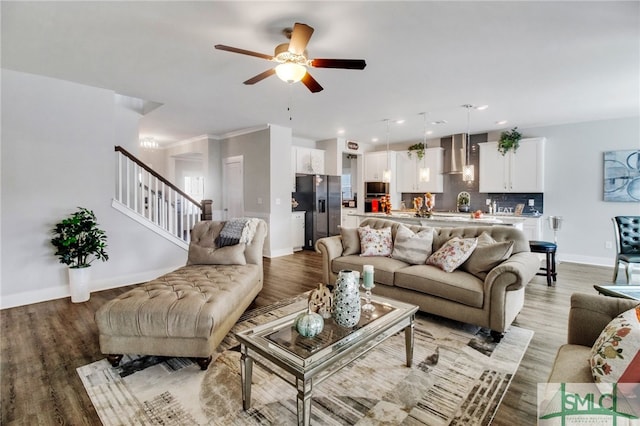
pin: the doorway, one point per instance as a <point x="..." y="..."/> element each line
<point x="233" y="187"/>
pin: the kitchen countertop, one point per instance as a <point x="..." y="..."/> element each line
<point x="449" y="219"/>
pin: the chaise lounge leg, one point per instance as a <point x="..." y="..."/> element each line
<point x="114" y="359"/>
<point x="204" y="362"/>
<point x="497" y="336"/>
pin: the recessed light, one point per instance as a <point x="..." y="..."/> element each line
<point x="399" y="121"/>
<point x="429" y="132"/>
<point x="501" y="122"/>
<point x="341" y="131"/>
<point x="374" y="139"/>
<point x="482" y="107"/>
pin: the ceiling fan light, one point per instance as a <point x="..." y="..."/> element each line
<point x="290" y="72"/>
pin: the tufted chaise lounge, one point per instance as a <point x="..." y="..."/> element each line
<point x="187" y="312"/>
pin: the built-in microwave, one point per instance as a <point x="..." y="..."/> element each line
<point x="373" y="192"/>
<point x="376" y="189"/>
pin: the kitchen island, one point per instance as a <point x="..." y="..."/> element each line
<point x="448" y="219"/>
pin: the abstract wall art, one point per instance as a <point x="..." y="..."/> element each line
<point x="622" y="176"/>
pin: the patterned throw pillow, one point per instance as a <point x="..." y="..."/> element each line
<point x="375" y="242"/>
<point x="614" y="356"/>
<point x="453" y="253"/>
<point x="411" y="247"/>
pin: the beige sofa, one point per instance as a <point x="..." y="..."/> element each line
<point x="492" y="302"/>
<point x="187" y="312"/>
<point x="588" y="316"/>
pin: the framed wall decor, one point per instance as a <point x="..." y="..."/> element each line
<point x="622" y="176"/>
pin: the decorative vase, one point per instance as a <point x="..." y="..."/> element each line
<point x="322" y="299"/>
<point x="79" y="284"/>
<point x="309" y="324"/>
<point x="346" y="300"/>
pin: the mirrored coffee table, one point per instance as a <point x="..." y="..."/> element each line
<point x="625" y="291"/>
<point x="306" y="362"/>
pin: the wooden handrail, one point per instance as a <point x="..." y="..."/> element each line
<point x="139" y="162"/>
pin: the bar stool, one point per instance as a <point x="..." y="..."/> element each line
<point x="549" y="249"/>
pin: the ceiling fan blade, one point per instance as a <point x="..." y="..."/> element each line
<point x="351" y="64"/>
<point x="243" y="51"/>
<point x="261" y="76"/>
<point x="311" y="83"/>
<point x="300" y="38"/>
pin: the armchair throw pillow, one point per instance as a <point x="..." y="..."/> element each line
<point x="614" y="355"/>
<point x="375" y="242"/>
<point x="453" y="253"/>
<point x="411" y="247"/>
<point x="228" y="255"/>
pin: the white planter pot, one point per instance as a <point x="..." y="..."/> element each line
<point x="79" y="284"/>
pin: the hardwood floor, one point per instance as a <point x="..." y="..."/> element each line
<point x="44" y="343"/>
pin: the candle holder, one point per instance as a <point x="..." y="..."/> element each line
<point x="367" y="284"/>
<point x="368" y="307"/>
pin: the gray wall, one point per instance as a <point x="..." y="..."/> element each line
<point x="57" y="154"/>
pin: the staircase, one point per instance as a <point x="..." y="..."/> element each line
<point x="153" y="201"/>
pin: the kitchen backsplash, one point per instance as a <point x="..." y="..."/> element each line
<point x="505" y="202"/>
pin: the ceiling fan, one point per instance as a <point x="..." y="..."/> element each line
<point x="292" y="59"/>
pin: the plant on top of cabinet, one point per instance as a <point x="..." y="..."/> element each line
<point x="418" y="148"/>
<point x="509" y="140"/>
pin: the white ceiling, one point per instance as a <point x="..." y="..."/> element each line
<point x="533" y="63"/>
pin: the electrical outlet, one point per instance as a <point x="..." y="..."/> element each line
<point x="259" y="200"/>
<point x="487" y="201"/>
<point x="532" y="202"/>
<point x="608" y="244"/>
<point x="278" y="201"/>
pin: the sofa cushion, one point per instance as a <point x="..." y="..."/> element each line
<point x="614" y="354"/>
<point x="350" y="241"/>
<point x="412" y="247"/>
<point x="384" y="267"/>
<point x="571" y="365"/>
<point x="457" y="286"/>
<point x="453" y="253"/>
<point x="487" y="255"/>
<point x="375" y="242"/>
<point x="186" y="303"/>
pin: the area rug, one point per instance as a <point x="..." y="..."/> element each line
<point x="459" y="377"/>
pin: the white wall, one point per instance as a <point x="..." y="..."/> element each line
<point x="57" y="154"/>
<point x="574" y="180"/>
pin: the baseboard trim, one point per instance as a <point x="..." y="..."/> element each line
<point x="60" y="292"/>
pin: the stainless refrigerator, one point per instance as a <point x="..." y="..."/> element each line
<point x="320" y="196"/>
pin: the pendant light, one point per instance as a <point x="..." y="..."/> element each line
<point x="468" y="172"/>
<point x="424" y="174"/>
<point x="386" y="175"/>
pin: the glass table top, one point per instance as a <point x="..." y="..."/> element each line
<point x="279" y="338"/>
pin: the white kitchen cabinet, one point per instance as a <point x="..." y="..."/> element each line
<point x="309" y="160"/>
<point x="348" y="220"/>
<point x="408" y="170"/>
<point x="297" y="230"/>
<point x="375" y="164"/>
<point x="522" y="171"/>
<point x="533" y="228"/>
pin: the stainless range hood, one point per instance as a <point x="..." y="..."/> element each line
<point x="454" y="153"/>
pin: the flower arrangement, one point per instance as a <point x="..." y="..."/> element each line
<point x="509" y="140"/>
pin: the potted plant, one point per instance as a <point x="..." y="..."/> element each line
<point x="509" y="140"/>
<point x="79" y="242"/>
<point x="418" y="148"/>
<point x="464" y="201"/>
